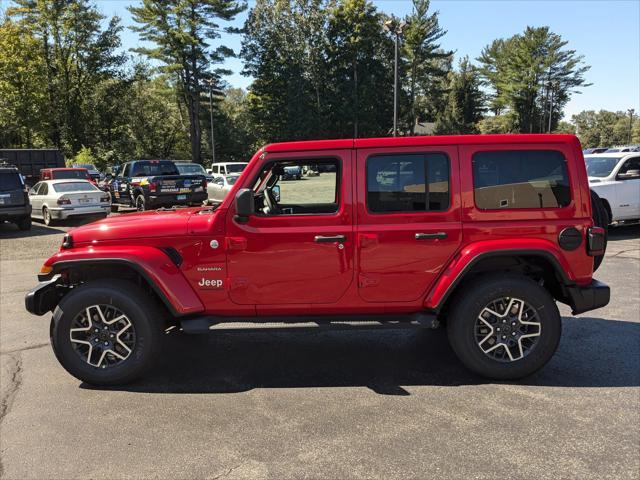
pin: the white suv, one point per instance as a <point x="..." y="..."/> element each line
<point x="615" y="177"/>
<point x="228" y="168"/>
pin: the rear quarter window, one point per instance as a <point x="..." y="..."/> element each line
<point x="517" y="179"/>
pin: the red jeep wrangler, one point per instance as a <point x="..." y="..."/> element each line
<point x="484" y="233"/>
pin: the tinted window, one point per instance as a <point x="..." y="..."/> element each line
<point x="630" y="164"/>
<point x="600" y="166"/>
<point x="74" y="187"/>
<point x="70" y="174"/>
<point x="236" y="168"/>
<point x="10" y="181"/>
<point x="152" y="168"/>
<point x="520" y="179"/>
<point x="408" y="183"/>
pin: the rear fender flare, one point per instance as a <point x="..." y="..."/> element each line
<point x="469" y="256"/>
<point x="154" y="265"/>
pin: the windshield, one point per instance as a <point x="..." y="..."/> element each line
<point x="236" y="168"/>
<point x="231" y="179"/>
<point x="69" y="187"/>
<point x="154" y="167"/>
<point x="10" y="181"/>
<point x="600" y="166"/>
<point x="69" y="174"/>
<point x="190" y="168"/>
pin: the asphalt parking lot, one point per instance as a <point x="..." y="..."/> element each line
<point x="323" y="405"/>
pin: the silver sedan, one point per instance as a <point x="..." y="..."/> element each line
<point x="60" y="199"/>
<point x="218" y="188"/>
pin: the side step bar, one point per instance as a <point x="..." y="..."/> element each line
<point x="207" y="324"/>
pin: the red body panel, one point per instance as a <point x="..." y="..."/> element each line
<point x="272" y="266"/>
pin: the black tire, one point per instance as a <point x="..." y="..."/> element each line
<point x="24" y="223"/>
<point x="46" y="216"/>
<point x="600" y="219"/>
<point x="141" y="204"/>
<point x="470" y="302"/>
<point x="142" y="311"/>
<point x="114" y="207"/>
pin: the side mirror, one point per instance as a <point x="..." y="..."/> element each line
<point x="244" y="205"/>
<point x="630" y="175"/>
<point x="275" y="192"/>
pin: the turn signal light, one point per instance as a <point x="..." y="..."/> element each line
<point x="45" y="269"/>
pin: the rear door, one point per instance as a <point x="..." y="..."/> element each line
<point x="408" y="220"/>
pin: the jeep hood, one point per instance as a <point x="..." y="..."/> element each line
<point x="152" y="224"/>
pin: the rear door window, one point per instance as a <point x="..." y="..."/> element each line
<point x="408" y="183"/>
<point x="520" y="179"/>
<point x="10" y="181"/>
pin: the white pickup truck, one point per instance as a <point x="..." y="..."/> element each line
<point x="615" y="177"/>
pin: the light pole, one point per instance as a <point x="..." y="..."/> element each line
<point x="210" y="82"/>
<point x="397" y="28"/>
<point x="630" y="112"/>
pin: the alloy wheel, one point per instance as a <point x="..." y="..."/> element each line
<point x="507" y="329"/>
<point x="103" y="336"/>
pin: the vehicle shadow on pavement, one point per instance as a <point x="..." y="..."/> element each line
<point x="9" y="230"/>
<point x="593" y="353"/>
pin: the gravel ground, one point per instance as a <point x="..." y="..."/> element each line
<point x="323" y="405"/>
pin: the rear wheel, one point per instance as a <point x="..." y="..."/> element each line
<point x="141" y="204"/>
<point x="106" y="332"/>
<point x="600" y="219"/>
<point x="504" y="326"/>
<point x="24" y="223"/>
<point x="46" y="216"/>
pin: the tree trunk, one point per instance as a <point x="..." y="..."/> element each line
<point x="194" y="126"/>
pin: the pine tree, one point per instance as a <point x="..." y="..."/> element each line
<point x="465" y="101"/>
<point x="181" y="32"/>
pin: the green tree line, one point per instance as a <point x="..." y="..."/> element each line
<point x="319" y="69"/>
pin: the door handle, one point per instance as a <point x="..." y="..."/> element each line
<point x="331" y="239"/>
<point x="431" y="236"/>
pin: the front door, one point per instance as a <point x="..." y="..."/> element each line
<point x="628" y="190"/>
<point x="298" y="247"/>
<point x="408" y="220"/>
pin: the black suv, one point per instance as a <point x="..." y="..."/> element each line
<point x="14" y="199"/>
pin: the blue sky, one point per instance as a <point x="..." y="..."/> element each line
<point x="607" y="33"/>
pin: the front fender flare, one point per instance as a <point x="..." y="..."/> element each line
<point x="473" y="253"/>
<point x="153" y="264"/>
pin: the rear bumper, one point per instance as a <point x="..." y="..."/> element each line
<point x="8" y="213"/>
<point x="66" y="212"/>
<point x="168" y="200"/>
<point x="45" y="296"/>
<point x="583" y="299"/>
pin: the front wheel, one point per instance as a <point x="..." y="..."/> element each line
<point x="504" y="326"/>
<point x="106" y="332"/>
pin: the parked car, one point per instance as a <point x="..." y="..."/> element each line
<point x="292" y="172"/>
<point x="227" y="168"/>
<point x="220" y="187"/>
<point x="623" y="149"/>
<point x="14" y="201"/>
<point x="190" y="168"/>
<point x="590" y="151"/>
<point x="67" y="173"/>
<point x="93" y="171"/>
<point x="149" y="184"/>
<point x="54" y="200"/>
<point x="615" y="177"/>
<point x="487" y="231"/>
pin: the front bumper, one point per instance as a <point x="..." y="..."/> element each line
<point x="66" y="212"/>
<point x="45" y="296"/>
<point x="168" y="200"/>
<point x="583" y="299"/>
